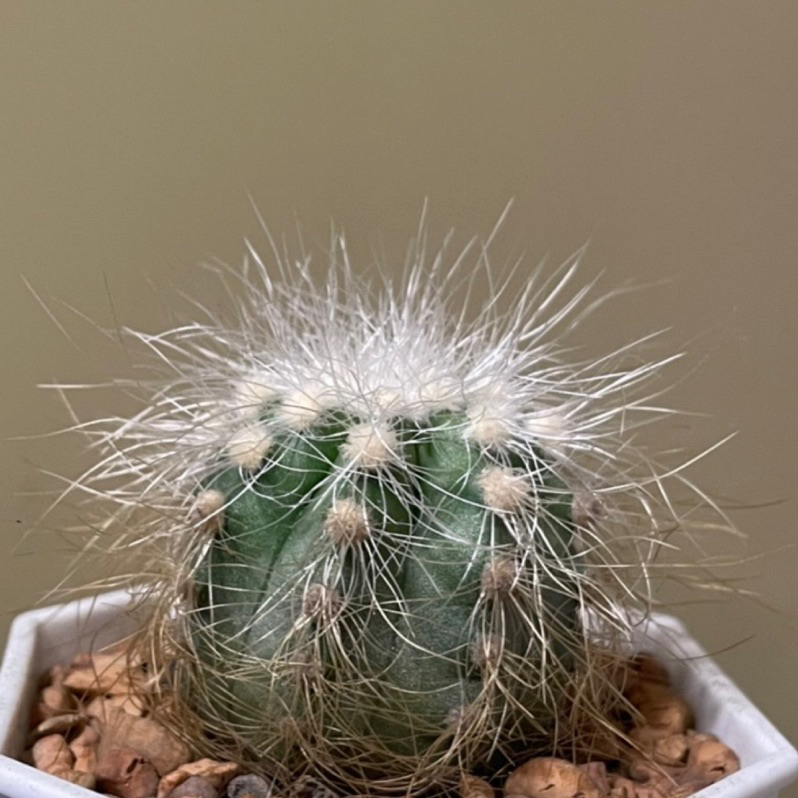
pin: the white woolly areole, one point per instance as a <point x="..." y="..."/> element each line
<point x="320" y="601"/>
<point x="251" y="393"/>
<point x="347" y="523"/>
<point x="500" y="576"/>
<point x="248" y="447"/>
<point x="389" y="401"/>
<point x="302" y="407"/>
<point x="505" y="490"/>
<point x="208" y="506"/>
<point x="370" y="445"/>
<point x="489" y="426"/>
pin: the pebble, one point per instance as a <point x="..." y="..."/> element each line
<point x="90" y="728"/>
<point x="101" y="706"/>
<point x="54" y="701"/>
<point x="101" y="673"/>
<point x="125" y="773"/>
<point x="52" y="754"/>
<point x="217" y="774"/>
<point x="195" y="787"/>
<point x="59" y="724"/>
<point x="249" y="786"/>
<point x="549" y="777"/>
<point x="475" y="787"/>
<point x="151" y="740"/>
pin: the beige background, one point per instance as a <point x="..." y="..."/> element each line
<point x="132" y="134"/>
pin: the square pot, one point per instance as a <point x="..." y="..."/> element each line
<point x="43" y="637"/>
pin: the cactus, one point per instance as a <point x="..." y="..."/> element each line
<point x="412" y="553"/>
<point x="389" y="545"/>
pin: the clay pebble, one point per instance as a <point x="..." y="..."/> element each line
<point x="91" y="726"/>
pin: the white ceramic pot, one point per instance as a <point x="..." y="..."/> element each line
<point x="44" y="637"/>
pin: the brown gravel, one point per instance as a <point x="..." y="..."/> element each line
<point x="89" y="728"/>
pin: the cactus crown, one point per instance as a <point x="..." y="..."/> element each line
<point x="389" y="543"/>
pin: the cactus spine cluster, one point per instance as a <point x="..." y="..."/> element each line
<point x="389" y="544"/>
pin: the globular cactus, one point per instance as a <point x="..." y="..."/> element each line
<point x="389" y="545"/>
<point x="397" y="580"/>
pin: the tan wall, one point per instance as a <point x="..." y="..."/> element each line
<point x="665" y="133"/>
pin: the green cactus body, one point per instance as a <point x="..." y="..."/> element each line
<point x="386" y="602"/>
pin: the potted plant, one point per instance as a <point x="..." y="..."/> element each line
<point x="47" y="636"/>
<point x="388" y="549"/>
